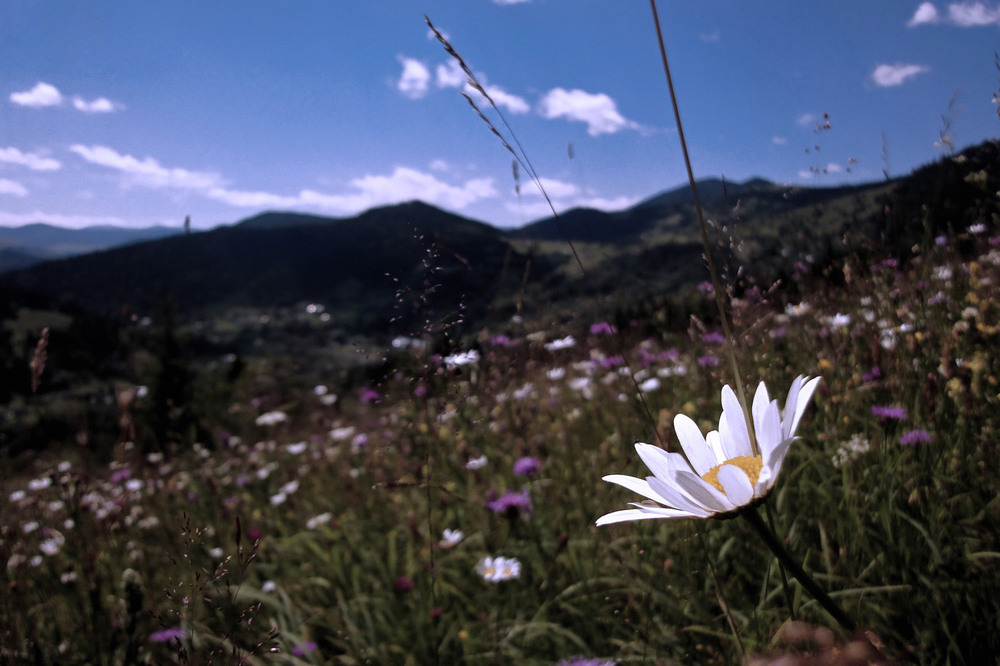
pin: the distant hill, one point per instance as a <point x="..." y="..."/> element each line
<point x="674" y="210"/>
<point x="397" y="266"/>
<point x="394" y="263"/>
<point x="29" y="244"/>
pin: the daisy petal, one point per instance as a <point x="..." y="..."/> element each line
<point x="769" y="433"/>
<point x="651" y="513"/>
<point x="693" y="443"/>
<point x="659" y="462"/>
<point x="639" y="486"/>
<point x="702" y="492"/>
<point x="733" y="426"/>
<point x="677" y="498"/>
<point x="737" y="485"/>
<point x="797" y="401"/>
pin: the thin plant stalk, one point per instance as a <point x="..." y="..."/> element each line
<point x="716" y="285"/>
<point x="767" y="534"/>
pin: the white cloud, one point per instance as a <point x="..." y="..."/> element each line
<point x="832" y="167"/>
<point x="597" y="110"/>
<point x="971" y="14"/>
<point x="42" y="95"/>
<point x="403" y="184"/>
<point x="244" y="199"/>
<point x="450" y="75"/>
<point x="962" y="14"/>
<point x="926" y="13"/>
<point x="415" y="78"/>
<point x="540" y="209"/>
<point x="779" y="140"/>
<point x="556" y="189"/>
<point x="99" y="105"/>
<point x="710" y="37"/>
<point x="805" y="120"/>
<point x="439" y="165"/>
<point x="509" y="2"/>
<point x="147" y="172"/>
<point x="33" y="161"/>
<point x="500" y="97"/>
<point x="13" y="188"/>
<point x="894" y="75"/>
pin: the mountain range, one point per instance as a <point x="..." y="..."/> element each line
<point x="30" y="244"/>
<point x="399" y="267"/>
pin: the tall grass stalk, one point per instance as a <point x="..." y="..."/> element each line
<point x="750" y="514"/>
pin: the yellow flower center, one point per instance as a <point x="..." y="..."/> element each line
<point x="751" y="466"/>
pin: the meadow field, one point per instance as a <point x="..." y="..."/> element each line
<point x="446" y="514"/>
<point x="442" y="506"/>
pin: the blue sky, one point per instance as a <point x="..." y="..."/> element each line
<point x="140" y="113"/>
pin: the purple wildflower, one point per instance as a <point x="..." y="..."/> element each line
<point x="612" y="361"/>
<point x="510" y="503"/>
<point x="872" y="375"/>
<point x="713" y="338"/>
<point x="167" y="635"/>
<point x="121" y="475"/>
<point x="601" y="328"/>
<point x="527" y="466"/>
<point x="913" y="437"/>
<point x="580" y="660"/>
<point x="708" y="361"/>
<point x="305" y="648"/>
<point x="368" y="396"/>
<point x="889" y="412"/>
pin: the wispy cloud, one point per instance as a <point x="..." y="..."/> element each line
<point x="42" y="95"/>
<point x="598" y="110"/>
<point x="450" y="75"/>
<point x="99" y="105"/>
<point x="779" y="140"/>
<point x="500" y="97"/>
<point x="887" y="76"/>
<point x="710" y="37"/>
<point x="147" y="172"/>
<point x="12" y="188"/>
<point x="556" y="189"/>
<point x="33" y="161"/>
<point x="509" y="2"/>
<point x="402" y="184"/>
<point x="46" y="94"/>
<point x="538" y="209"/>
<point x="415" y="79"/>
<point x="961" y="14"/>
<point x="970" y="14"/>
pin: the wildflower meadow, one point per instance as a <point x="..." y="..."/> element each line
<point x="587" y="490"/>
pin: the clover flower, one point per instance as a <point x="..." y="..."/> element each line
<point x="725" y="473"/>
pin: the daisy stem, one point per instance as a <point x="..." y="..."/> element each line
<point x="781" y="566"/>
<point x="785" y="558"/>
<point x="716" y="285"/>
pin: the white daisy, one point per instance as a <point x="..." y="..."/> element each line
<point x="724" y="474"/>
<point x="499" y="569"/>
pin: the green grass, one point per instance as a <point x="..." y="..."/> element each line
<point x="905" y="538"/>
